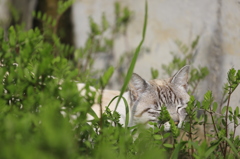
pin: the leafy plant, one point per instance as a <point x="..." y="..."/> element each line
<point x="44" y="115"/>
<point x="204" y="122"/>
<point x="101" y="40"/>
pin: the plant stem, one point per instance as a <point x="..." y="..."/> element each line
<point x="204" y="126"/>
<point x="226" y="120"/>
<point x="234" y="131"/>
<point x="101" y="121"/>
<point x="190" y="138"/>
<point x="215" y="129"/>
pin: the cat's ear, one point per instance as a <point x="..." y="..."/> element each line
<point x="136" y="86"/>
<point x="181" y="77"/>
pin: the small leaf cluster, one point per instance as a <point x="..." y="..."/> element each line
<point x="48" y="20"/>
<point x="218" y="138"/>
<point x="36" y="87"/>
<point x="164" y="115"/>
<point x="100" y="43"/>
<point x="185" y="56"/>
<point x="205" y="123"/>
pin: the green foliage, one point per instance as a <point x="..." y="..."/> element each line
<point x="122" y="18"/>
<point x="106" y="76"/>
<point x="218" y="139"/>
<point x="185" y="56"/>
<point x="164" y="115"/>
<point x="43" y="114"/>
<point x="101" y="41"/>
<point x="154" y="73"/>
<point x="134" y="59"/>
<point x="64" y="5"/>
<point x="31" y="96"/>
<point x="48" y="20"/>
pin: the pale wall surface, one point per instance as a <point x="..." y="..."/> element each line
<point x="216" y="21"/>
<point x="4" y="14"/>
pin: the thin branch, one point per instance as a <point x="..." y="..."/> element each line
<point x="101" y="110"/>
<point x="204" y="126"/>
<point x="226" y="120"/>
<point x="215" y="129"/>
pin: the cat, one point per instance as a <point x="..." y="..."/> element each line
<point x="145" y="99"/>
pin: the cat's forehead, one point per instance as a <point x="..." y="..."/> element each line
<point x="159" y="82"/>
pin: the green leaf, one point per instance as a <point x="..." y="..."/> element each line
<point x="12" y="36"/>
<point x="126" y="108"/>
<point x="105" y="24"/>
<point x="164" y="115"/>
<point x="232" y="147"/>
<point x="236" y="112"/>
<point x="56" y="60"/>
<point x="168" y="145"/>
<point x="106" y="76"/>
<point x="215" y="105"/>
<point x="157" y="137"/>
<point x="94" y="27"/>
<point x="1" y="33"/>
<point x="175" y="153"/>
<point x="49" y="19"/>
<point x="195" y="42"/>
<point x="154" y="73"/>
<point x="39" y="15"/>
<point x="54" y="22"/>
<point x="174" y="129"/>
<point x="211" y="149"/>
<point x="44" y="17"/>
<point x="166" y="135"/>
<point x="235" y="120"/>
<point x="127" y="112"/>
<point x="208" y="99"/>
<point x="230" y="117"/>
<point x="231" y="76"/>
<point x="224" y="109"/>
<point x="135" y="56"/>
<point x="92" y="113"/>
<point x="223" y="121"/>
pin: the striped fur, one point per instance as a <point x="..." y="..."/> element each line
<point x="147" y="97"/>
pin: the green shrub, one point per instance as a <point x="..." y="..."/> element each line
<point x="38" y="88"/>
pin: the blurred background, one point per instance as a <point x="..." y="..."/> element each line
<point x="116" y="28"/>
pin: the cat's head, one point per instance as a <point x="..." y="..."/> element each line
<point x="147" y="97"/>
